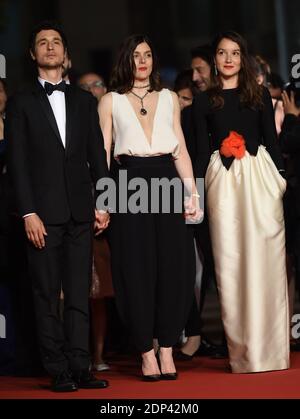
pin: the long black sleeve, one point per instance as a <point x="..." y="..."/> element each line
<point x="3" y="156"/>
<point x="201" y="134"/>
<point x="15" y="133"/>
<point x="270" y="139"/>
<point x="290" y="134"/>
<point x="96" y="152"/>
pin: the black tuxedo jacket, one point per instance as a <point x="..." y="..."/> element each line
<point x="50" y="180"/>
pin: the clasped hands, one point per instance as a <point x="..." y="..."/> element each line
<point x="192" y="210"/>
<point x="36" y="231"/>
<point x="101" y="221"/>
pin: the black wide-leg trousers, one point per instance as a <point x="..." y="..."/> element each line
<point x="64" y="263"/>
<point x="153" y="262"/>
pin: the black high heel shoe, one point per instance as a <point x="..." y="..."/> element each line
<point x="168" y="376"/>
<point x="151" y="378"/>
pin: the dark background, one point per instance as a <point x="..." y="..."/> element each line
<point x="95" y="29"/>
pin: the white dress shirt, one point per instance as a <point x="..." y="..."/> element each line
<point x="58" y="104"/>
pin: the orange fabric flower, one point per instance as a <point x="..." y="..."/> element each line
<point x="233" y="146"/>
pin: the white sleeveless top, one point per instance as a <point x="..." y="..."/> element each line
<point x="129" y="136"/>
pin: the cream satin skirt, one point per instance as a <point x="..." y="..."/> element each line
<point x="247" y="231"/>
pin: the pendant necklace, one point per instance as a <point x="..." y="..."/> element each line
<point x="143" y="111"/>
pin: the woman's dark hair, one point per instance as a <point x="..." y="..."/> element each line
<point x="258" y="68"/>
<point x="3" y="85"/>
<point x="275" y="80"/>
<point x="184" y="80"/>
<point x="122" y="78"/>
<point x="3" y="82"/>
<point x="44" y="26"/>
<point x="204" y="52"/>
<point x="249" y="90"/>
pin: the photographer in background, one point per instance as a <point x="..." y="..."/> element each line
<point x="290" y="144"/>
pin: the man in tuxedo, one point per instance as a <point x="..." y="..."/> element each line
<point x="55" y="152"/>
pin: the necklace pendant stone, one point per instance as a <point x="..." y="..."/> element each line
<point x="143" y="111"/>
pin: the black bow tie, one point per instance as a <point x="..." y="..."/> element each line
<point x="51" y="87"/>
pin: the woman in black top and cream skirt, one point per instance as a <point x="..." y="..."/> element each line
<point x="241" y="161"/>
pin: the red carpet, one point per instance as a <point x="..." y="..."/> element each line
<point x="202" y="378"/>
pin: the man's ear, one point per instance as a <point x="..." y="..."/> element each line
<point x="32" y="55"/>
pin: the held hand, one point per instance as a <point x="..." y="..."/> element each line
<point x="193" y="212"/>
<point x="35" y="230"/>
<point x="101" y="222"/>
<point x="1" y="128"/>
<point x="289" y="104"/>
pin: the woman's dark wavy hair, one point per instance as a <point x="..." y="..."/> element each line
<point x="4" y="85"/>
<point x="249" y="90"/>
<point x="122" y="78"/>
<point x="184" y="80"/>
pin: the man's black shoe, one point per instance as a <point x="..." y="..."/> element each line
<point x="63" y="383"/>
<point x="89" y="381"/>
<point x="205" y="349"/>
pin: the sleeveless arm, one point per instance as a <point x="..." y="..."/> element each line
<point x="106" y="124"/>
